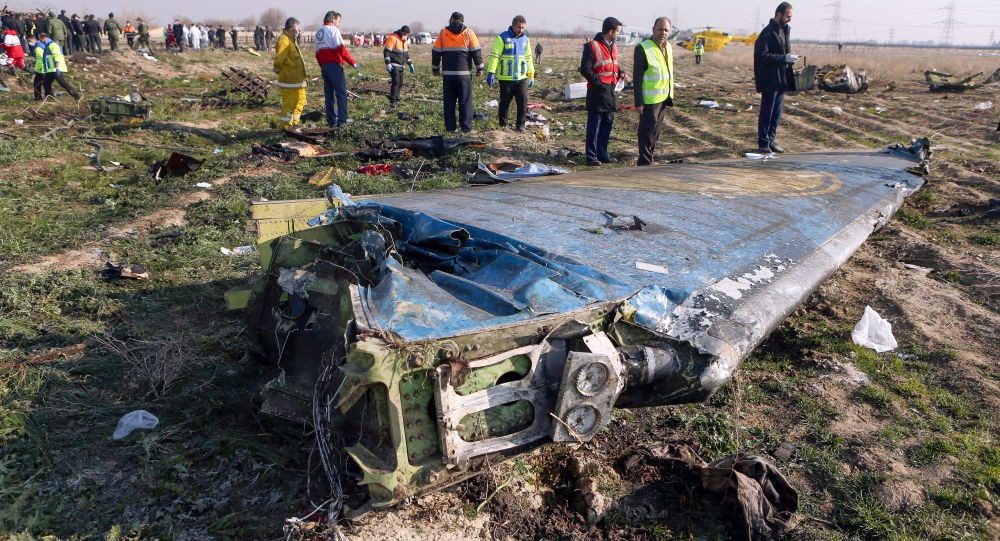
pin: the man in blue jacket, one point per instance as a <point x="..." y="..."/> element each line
<point x="773" y="75"/>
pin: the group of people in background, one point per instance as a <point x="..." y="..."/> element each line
<point x="198" y="36"/>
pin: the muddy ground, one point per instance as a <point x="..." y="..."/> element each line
<point x="901" y="444"/>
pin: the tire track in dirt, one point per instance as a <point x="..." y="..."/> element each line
<point x="92" y="254"/>
<point x="835" y="127"/>
<point x="705" y="133"/>
<point x="821" y="138"/>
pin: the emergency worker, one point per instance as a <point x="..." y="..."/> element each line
<point x="511" y="63"/>
<point x="54" y="65"/>
<point x="699" y="50"/>
<point x="456" y="52"/>
<point x="599" y="65"/>
<point x="331" y="55"/>
<point x="654" y="59"/>
<point x="397" y="54"/>
<point x="129" y="32"/>
<point x="291" y="70"/>
<point x="37" y="52"/>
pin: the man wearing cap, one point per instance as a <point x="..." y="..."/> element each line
<point x="456" y="52"/>
<point x="113" y="30"/>
<point x="397" y="54"/>
<point x="599" y="65"/>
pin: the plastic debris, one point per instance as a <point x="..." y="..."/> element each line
<point x="548" y="71"/>
<point x="492" y="103"/>
<point x="202" y="185"/>
<point x="837" y="110"/>
<point x="239" y="250"/>
<point x="758" y="156"/>
<point x="874" y="332"/>
<point x="217" y="151"/>
<point x="376" y="169"/>
<point x="138" y="419"/>
<point x="708" y="104"/>
<point x="984" y="106"/>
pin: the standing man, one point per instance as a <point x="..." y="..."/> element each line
<point x="79" y="36"/>
<point x="654" y="59"/>
<point x="37" y="52"/>
<point x="94" y="34"/>
<point x="57" y="30"/>
<point x="258" y="38"/>
<point x="511" y="63"/>
<point x="67" y="42"/>
<point x="538" y="53"/>
<point x="457" y="49"/>
<point x="233" y="33"/>
<point x="699" y="50"/>
<point x="268" y="37"/>
<point x="599" y="65"/>
<point x="332" y="54"/>
<point x="113" y="30"/>
<point x="129" y="32"/>
<point x="54" y="65"/>
<point x="220" y="35"/>
<point x="773" y="75"/>
<point x="291" y="70"/>
<point x="143" y="30"/>
<point x="178" y="29"/>
<point x="397" y="54"/>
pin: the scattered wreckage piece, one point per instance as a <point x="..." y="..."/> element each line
<point x="805" y="79"/>
<point x="493" y="173"/>
<point x="424" y="334"/>
<point x="119" y="108"/>
<point x="315" y="136"/>
<point x="373" y="88"/>
<point x="436" y="145"/>
<point x="946" y="82"/>
<point x="254" y="87"/>
<point x="114" y="271"/>
<point x="176" y="165"/>
<point x="842" y="79"/>
<point x="289" y="151"/>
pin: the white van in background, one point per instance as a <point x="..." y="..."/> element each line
<point x="423" y="38"/>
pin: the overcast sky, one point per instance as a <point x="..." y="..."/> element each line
<point x="910" y="20"/>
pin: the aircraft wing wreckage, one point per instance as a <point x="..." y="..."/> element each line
<point x="421" y="333"/>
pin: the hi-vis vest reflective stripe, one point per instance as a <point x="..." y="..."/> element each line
<point x="53" y="59"/>
<point x="658" y="79"/>
<point x="511" y="57"/>
<point x="605" y="65"/>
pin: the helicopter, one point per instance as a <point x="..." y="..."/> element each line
<point x="714" y="40"/>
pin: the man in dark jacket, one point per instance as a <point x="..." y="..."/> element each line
<point x="455" y="55"/>
<point x="67" y="43"/>
<point x="79" y="36"/>
<point x="220" y="36"/>
<point x="94" y="31"/>
<point x="773" y="75"/>
<point x="599" y="65"/>
<point x="178" y="29"/>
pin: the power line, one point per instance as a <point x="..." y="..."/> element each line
<point x="949" y="24"/>
<point x="834" y="34"/>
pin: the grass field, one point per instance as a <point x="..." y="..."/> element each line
<point x="908" y="449"/>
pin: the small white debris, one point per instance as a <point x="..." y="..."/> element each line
<point x="651" y="267"/>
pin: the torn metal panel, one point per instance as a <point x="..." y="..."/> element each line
<point x="946" y="82"/>
<point x="462" y="325"/>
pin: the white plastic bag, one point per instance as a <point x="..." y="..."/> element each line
<point x="874" y="332"/>
<point x="133" y="420"/>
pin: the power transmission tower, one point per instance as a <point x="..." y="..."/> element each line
<point x="834" y="35"/>
<point x="949" y="24"/>
<point x="892" y="32"/>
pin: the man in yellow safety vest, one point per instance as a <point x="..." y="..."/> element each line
<point x="654" y="59"/>
<point x="511" y="63"/>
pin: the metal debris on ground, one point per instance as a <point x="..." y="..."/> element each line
<point x="117" y="108"/>
<point x="805" y="79"/>
<point x="176" y="165"/>
<point x="492" y="173"/>
<point x="939" y="81"/>
<point x="432" y="333"/>
<point x="436" y="145"/>
<point x="253" y="86"/>
<point x="842" y="79"/>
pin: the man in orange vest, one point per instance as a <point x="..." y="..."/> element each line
<point x="599" y="65"/>
<point x="456" y="52"/>
<point x="397" y="55"/>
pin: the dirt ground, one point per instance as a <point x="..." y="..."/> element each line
<point x="859" y="422"/>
